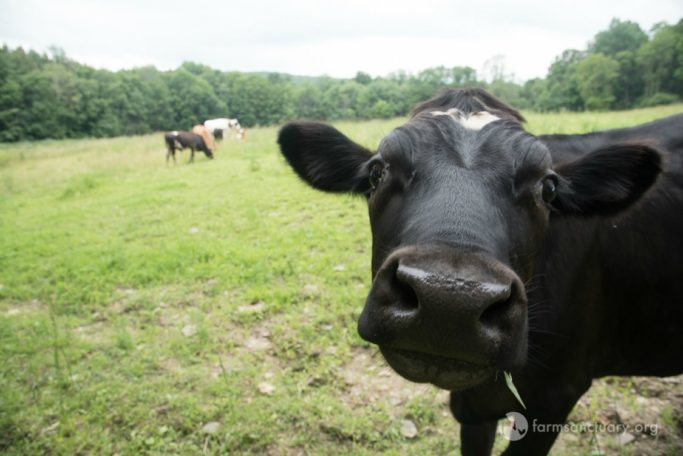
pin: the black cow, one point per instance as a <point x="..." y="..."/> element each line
<point x="555" y="259"/>
<point x="184" y="139"/>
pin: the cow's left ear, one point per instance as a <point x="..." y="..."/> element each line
<point x="325" y="158"/>
<point x="606" y="180"/>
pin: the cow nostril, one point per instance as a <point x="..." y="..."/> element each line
<point x="495" y="313"/>
<point x="406" y="297"/>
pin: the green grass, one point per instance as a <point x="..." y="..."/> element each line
<point x="139" y="302"/>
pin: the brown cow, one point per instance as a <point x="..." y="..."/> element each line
<point x="202" y="131"/>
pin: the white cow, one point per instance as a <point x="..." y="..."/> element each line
<point x="221" y="127"/>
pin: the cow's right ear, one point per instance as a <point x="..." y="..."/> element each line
<point x="324" y="157"/>
<point x="608" y="180"/>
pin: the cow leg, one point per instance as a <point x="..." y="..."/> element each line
<point x="170" y="152"/>
<point x="477" y="439"/>
<point x="476" y="435"/>
<point x="191" y="155"/>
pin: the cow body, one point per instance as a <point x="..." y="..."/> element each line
<point x="607" y="292"/>
<point x="184" y="139"/>
<point x="204" y="133"/>
<point x="553" y="258"/>
<point x="221" y="127"/>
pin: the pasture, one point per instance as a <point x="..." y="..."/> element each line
<point x="211" y="308"/>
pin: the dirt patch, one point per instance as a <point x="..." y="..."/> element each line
<point x="25" y="307"/>
<point x="96" y="333"/>
<point x="171" y="365"/>
<point x="369" y="379"/>
<point x="642" y="415"/>
<point x="257" y="345"/>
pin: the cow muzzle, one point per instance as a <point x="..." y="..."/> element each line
<point x="446" y="317"/>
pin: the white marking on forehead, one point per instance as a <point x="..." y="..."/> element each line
<point x="473" y="121"/>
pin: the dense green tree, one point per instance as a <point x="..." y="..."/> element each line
<point x="562" y="91"/>
<point x="661" y="61"/>
<point x="630" y="84"/>
<point x="508" y="91"/>
<point x="309" y="103"/>
<point x="390" y="92"/>
<point x="42" y="115"/>
<point x="11" y="126"/>
<point x="620" y="36"/>
<point x="363" y="78"/>
<point x="192" y="98"/>
<point x="429" y="81"/>
<point x="341" y="100"/>
<point x="381" y="109"/>
<point x="531" y="93"/>
<point x="51" y="96"/>
<point x="255" y="101"/>
<point x="597" y="76"/>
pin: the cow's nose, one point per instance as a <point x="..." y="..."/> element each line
<point x="462" y="307"/>
<point x="477" y="301"/>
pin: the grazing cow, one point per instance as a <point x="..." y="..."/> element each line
<point x="204" y="133"/>
<point x="182" y="140"/>
<point x="498" y="255"/>
<point x="223" y="126"/>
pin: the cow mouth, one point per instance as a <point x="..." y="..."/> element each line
<point x="447" y="373"/>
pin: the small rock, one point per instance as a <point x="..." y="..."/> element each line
<point x="315" y="382"/>
<point x="266" y="388"/>
<point x="408" y="429"/>
<point x="253" y="308"/>
<point x="573" y="438"/>
<point x="340" y="268"/>
<point x="189" y="330"/>
<point x="625" y="438"/>
<point x="308" y="289"/>
<point x="641" y="401"/>
<point x="395" y="401"/>
<point x="211" y="427"/>
<point x="258" y="344"/>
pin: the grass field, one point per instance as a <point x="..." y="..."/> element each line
<point x="211" y="308"/>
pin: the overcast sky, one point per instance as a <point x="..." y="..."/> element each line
<point x="331" y="37"/>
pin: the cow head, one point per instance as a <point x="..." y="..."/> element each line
<point x="460" y="199"/>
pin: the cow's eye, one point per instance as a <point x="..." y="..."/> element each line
<point x="376" y="175"/>
<point x="549" y="189"/>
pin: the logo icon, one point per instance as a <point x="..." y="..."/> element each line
<point x="515" y="427"/>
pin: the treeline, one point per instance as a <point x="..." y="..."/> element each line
<point x="52" y="96"/>
<point x="623" y="67"/>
